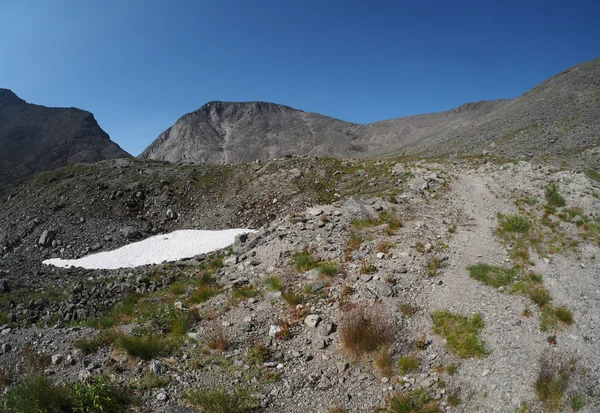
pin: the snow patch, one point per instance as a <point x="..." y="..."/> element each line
<point x="156" y="250"/>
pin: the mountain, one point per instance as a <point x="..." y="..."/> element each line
<point x="34" y="138"/>
<point x="559" y="117"/>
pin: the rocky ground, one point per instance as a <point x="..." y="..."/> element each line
<point x="271" y="320"/>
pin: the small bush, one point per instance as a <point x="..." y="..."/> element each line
<point x="100" y="395"/>
<point x="492" y="275"/>
<point x="461" y="333"/>
<point x="221" y="401"/>
<point x="515" y="223"/>
<point x="365" y="329"/>
<point x="553" y="196"/>
<point x="417" y="401"/>
<point x="406" y="364"/>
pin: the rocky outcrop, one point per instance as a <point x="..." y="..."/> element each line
<point x="36" y="138"/>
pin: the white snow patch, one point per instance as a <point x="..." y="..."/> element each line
<point x="155" y="250"/>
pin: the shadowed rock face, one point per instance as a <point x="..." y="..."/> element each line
<point x="35" y="138"/>
<point x="559" y="117"/>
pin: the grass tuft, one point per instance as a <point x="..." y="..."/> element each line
<point x="553" y="196"/>
<point x="461" y="333"/>
<point x="417" y="401"/>
<point x="492" y="275"/>
<point x="365" y="329"/>
<point x="553" y="379"/>
<point x="407" y="364"/>
<point x="221" y="401"/>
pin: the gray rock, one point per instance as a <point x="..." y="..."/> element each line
<point x="419" y="184"/>
<point x="312" y="320"/>
<point x="156" y="367"/>
<point x="171" y="215"/>
<point x="57" y="358"/>
<point x="46" y="238"/>
<point x="130" y="232"/>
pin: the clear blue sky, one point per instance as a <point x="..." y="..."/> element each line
<point x="138" y="65"/>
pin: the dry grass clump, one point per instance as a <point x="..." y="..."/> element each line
<point x="366" y="329"/>
<point x="553" y="379"/>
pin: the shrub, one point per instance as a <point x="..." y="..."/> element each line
<point x="100" y="395"/>
<point x="408" y="364"/>
<point x="553" y="196"/>
<point x="365" y="329"/>
<point x="221" y="401"/>
<point x="461" y="333"/>
<point x="492" y="275"/>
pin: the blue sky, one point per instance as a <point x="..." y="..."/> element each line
<point x="140" y="65"/>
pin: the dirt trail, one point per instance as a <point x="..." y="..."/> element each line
<point x="512" y="339"/>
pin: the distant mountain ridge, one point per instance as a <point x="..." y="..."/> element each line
<point x="559" y="117"/>
<point x="35" y="138"/>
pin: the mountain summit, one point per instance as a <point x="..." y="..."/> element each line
<point x="35" y="138"/>
<point x="559" y="117"/>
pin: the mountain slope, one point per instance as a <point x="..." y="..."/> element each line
<point x="35" y="138"/>
<point x="559" y="117"/>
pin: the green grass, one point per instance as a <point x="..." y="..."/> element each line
<point x="461" y="333"/>
<point x="407" y="364"/>
<point x="274" y="283"/>
<point x="203" y="293"/>
<point x="329" y="268"/>
<point x="417" y="401"/>
<point x="492" y="275"/>
<point x="564" y="314"/>
<point x="120" y="313"/>
<point x="37" y="395"/>
<point x="531" y="286"/>
<point x="514" y="223"/>
<point x="291" y="297"/>
<point x="146" y="347"/>
<point x="220" y="400"/>
<point x="553" y="196"/>
<point x="303" y="261"/>
<point x="258" y="353"/>
<point x="548" y="319"/>
<point x="433" y="266"/>
<point x="177" y="288"/>
<point x="553" y="380"/>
